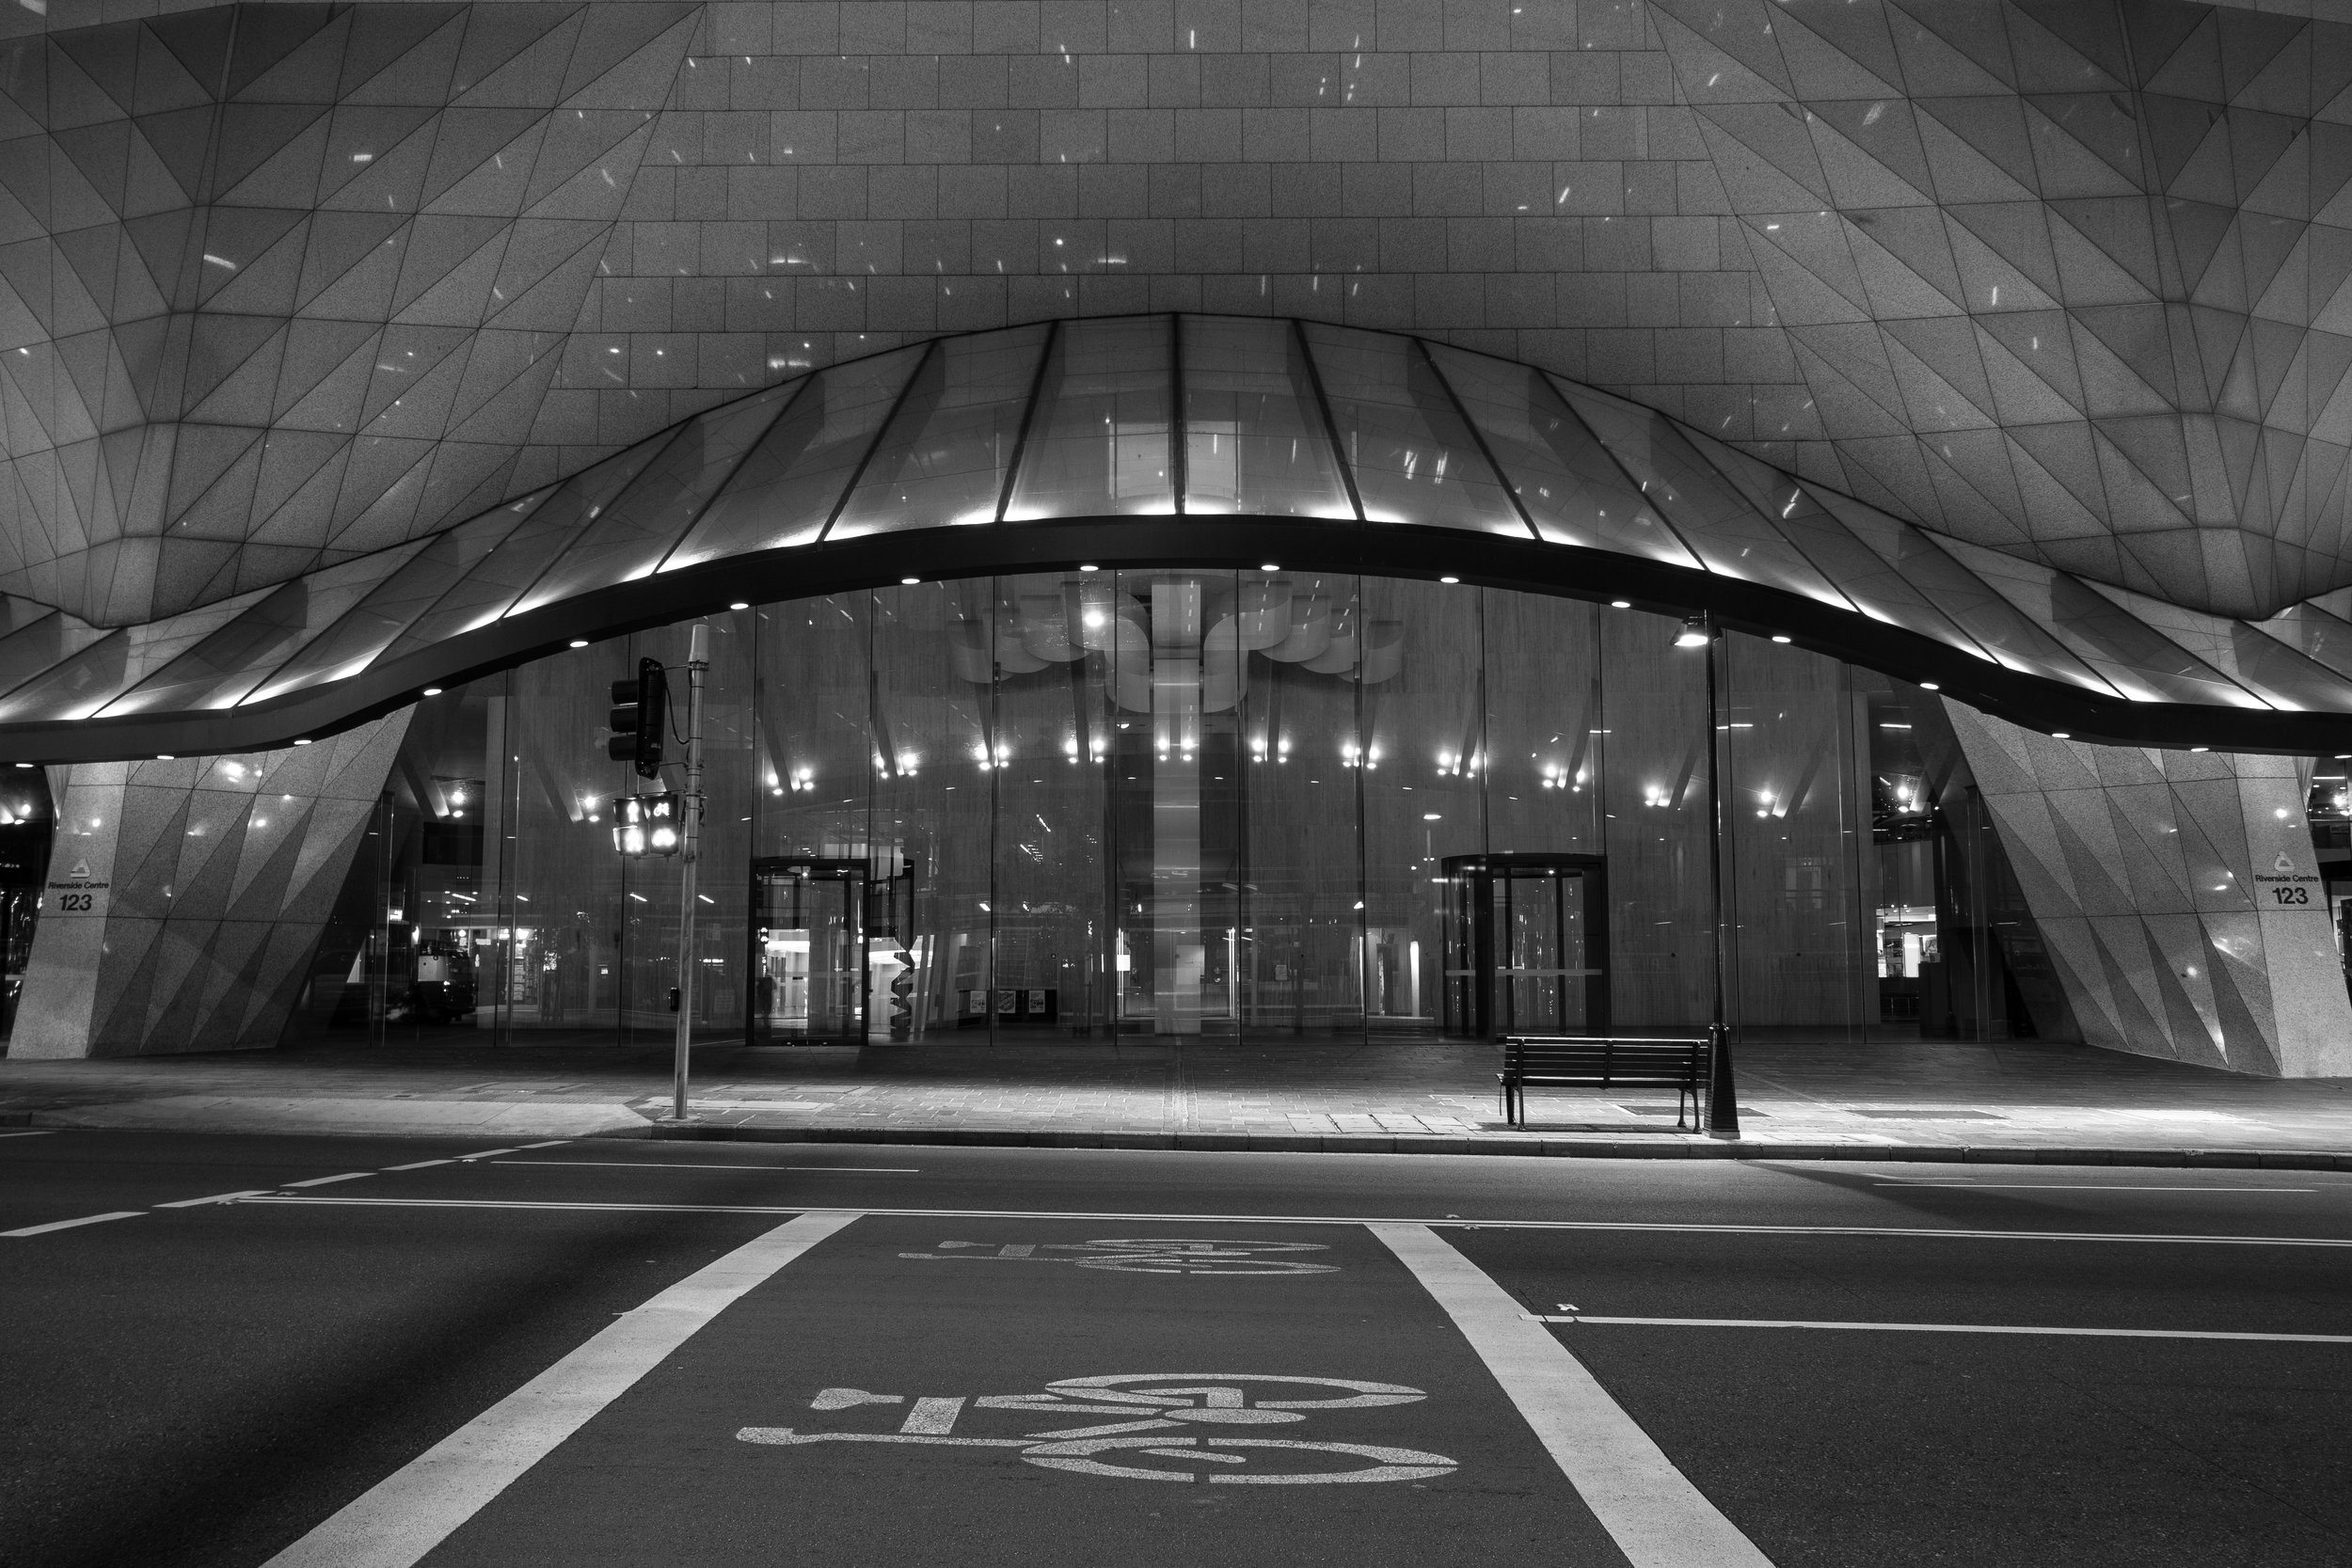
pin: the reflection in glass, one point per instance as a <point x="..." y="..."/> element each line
<point x="1413" y="458"/>
<point x="1254" y="438"/>
<point x="353" y="644"/>
<point x="644" y="521"/>
<point x="227" y="664"/>
<point x="1574" y="491"/>
<point x="1730" y="535"/>
<point x="941" y="461"/>
<point x="1098" y="443"/>
<point x="785" y="490"/>
<point x="2014" y="641"/>
<point x="493" y="582"/>
<point x="2129" y="657"/>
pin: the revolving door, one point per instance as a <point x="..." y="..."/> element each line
<point x="1526" y="940"/>
<point x="828" y="964"/>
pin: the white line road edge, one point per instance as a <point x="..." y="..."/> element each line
<point x="67" y="1225"/>
<point x="1668" y="1226"/>
<point x="1650" y="1509"/>
<point x="400" y="1518"/>
<point x="1947" y="1328"/>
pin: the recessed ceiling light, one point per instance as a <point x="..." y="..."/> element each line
<point x="1929" y="686"/>
<point x="165" y="756"/>
<point x="302" y="740"/>
<point x="1449" y="580"/>
<point x="909" y="582"/>
<point x="432" y="691"/>
<point x="2201" y="748"/>
<point x="1621" y="604"/>
<point x="1268" y="567"/>
<point x="2061" y="735"/>
<point x="1780" y="640"/>
<point x="1089" y="568"/>
<point x="580" y="641"/>
<point x="741" y="604"/>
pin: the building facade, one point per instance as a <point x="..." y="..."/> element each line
<point x="1196" y="508"/>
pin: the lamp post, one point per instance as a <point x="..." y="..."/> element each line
<point x="690" y="851"/>
<point x="1723" y="1100"/>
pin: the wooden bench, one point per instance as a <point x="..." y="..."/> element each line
<point x="1562" y="1061"/>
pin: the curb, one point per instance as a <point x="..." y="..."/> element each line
<point x="1588" y="1148"/>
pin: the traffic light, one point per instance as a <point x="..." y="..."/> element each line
<point x="641" y="718"/>
<point x="647" y="824"/>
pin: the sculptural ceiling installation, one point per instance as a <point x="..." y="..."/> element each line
<point x="294" y="295"/>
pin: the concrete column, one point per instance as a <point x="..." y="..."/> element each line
<point x="186" y="898"/>
<point x="2178" y="894"/>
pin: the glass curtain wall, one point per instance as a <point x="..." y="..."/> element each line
<point x="1254" y="805"/>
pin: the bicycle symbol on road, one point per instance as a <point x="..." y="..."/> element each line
<point x="1159" y="1436"/>
<point x="1148" y="1255"/>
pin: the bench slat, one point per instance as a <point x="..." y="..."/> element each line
<point x="1606" y="1062"/>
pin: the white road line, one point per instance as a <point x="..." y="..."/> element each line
<point x="400" y="1518"/>
<point x="1637" y="1227"/>
<point x="216" y="1198"/>
<point x="67" y="1225"/>
<point x="420" y="1164"/>
<point x="1650" y="1509"/>
<point x="1949" y="1328"/>
<point x="488" y="1154"/>
<point x="324" y="1180"/>
<point x="31" y="1133"/>
<point x="551" y="1143"/>
<point x="2078" y="1187"/>
<point x="697" y="1164"/>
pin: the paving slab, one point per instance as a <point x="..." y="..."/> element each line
<point x="1798" y="1099"/>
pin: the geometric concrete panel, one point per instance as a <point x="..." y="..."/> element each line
<point x="217" y="874"/>
<point x="2183" y="901"/>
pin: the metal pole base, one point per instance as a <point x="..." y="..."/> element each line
<point x="1723" y="1100"/>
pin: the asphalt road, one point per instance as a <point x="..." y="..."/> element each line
<point x="612" y="1353"/>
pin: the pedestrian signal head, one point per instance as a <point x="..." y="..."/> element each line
<point x="647" y="824"/>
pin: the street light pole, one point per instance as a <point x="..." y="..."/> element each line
<point x="1723" y="1100"/>
<point x="690" y="851"/>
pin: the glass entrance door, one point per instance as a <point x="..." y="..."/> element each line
<point x="808" y="960"/>
<point x="1526" y="945"/>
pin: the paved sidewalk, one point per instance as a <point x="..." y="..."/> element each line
<point x="1927" y="1100"/>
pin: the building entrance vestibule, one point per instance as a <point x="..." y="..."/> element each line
<point x="1526" y="937"/>
<point x="827" y="965"/>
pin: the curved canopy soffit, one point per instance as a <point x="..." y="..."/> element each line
<point x="1185" y="441"/>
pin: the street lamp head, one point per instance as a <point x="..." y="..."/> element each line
<point x="1694" y="633"/>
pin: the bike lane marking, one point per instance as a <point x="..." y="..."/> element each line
<point x="404" y="1517"/>
<point x="1064" y="1395"/>
<point x="1656" y="1517"/>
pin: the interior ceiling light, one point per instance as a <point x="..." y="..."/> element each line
<point x="1621" y="604"/>
<point x="1693" y="633"/>
<point x="1780" y="640"/>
